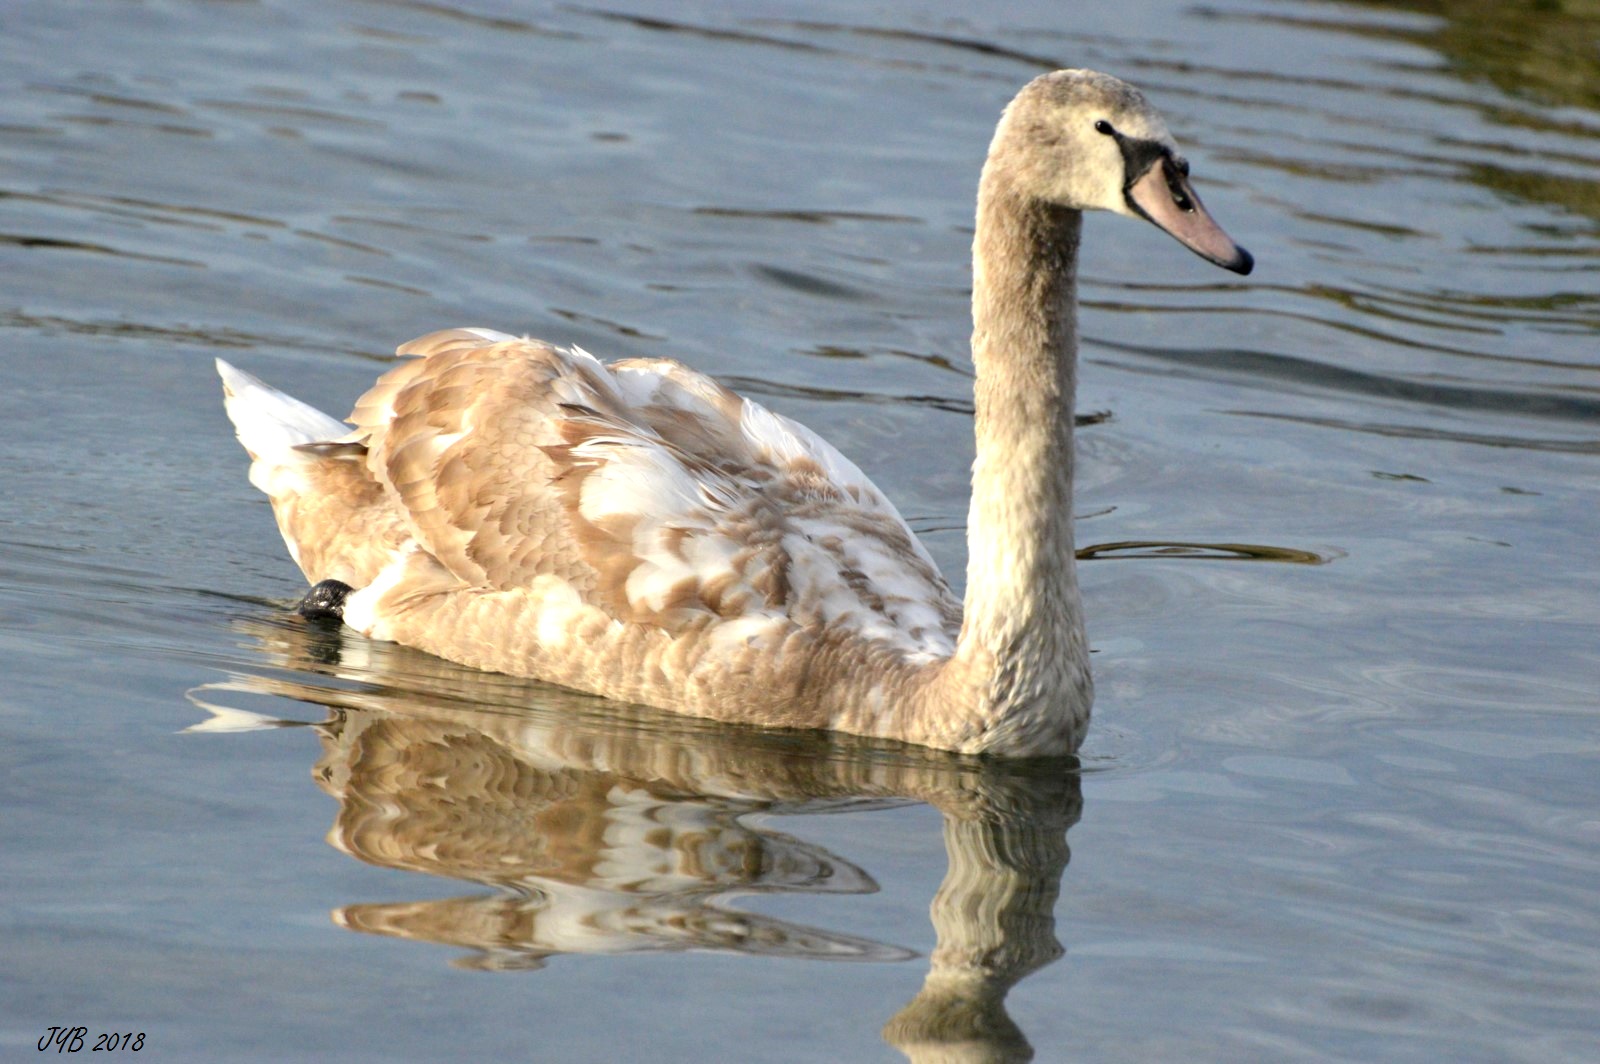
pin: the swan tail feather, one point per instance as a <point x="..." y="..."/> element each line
<point x="333" y="514"/>
<point x="269" y="423"/>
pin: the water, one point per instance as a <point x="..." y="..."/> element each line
<point x="1339" y="799"/>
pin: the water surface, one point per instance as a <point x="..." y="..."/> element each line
<point x="1339" y="801"/>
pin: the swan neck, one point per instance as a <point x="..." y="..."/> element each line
<point x="1022" y="642"/>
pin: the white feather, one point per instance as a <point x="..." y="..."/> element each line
<point x="269" y="423"/>
<point x="636" y="476"/>
<point x="494" y="336"/>
<point x="361" y="609"/>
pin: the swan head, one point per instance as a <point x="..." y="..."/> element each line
<point x="1089" y="141"/>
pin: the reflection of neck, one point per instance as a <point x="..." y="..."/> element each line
<point x="994" y="916"/>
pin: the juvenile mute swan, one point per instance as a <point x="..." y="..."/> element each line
<point x="639" y="531"/>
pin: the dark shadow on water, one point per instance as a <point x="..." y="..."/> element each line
<point x="1229" y="552"/>
<point x="591" y="828"/>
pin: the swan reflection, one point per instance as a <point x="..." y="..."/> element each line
<point x="603" y="831"/>
<point x="586" y="858"/>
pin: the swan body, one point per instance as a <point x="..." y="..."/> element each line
<point x="641" y="532"/>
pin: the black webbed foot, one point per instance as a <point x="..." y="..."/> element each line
<point x="325" y="601"/>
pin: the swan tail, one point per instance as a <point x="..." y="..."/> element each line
<point x="269" y="423"/>
<point x="332" y="513"/>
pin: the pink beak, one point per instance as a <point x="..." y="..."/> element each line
<point x="1163" y="195"/>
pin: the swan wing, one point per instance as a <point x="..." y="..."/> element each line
<point x="655" y="493"/>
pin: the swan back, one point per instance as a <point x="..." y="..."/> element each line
<point x="633" y="529"/>
<point x="654" y="493"/>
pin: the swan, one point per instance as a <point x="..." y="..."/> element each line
<point x="638" y="531"/>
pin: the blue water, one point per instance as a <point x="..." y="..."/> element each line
<point x="1341" y="797"/>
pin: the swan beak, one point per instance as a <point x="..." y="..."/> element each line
<point x="1163" y="195"/>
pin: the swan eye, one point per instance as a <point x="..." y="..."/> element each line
<point x="1102" y="126"/>
<point x="1180" y="198"/>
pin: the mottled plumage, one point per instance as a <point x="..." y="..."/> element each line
<point x="639" y="531"/>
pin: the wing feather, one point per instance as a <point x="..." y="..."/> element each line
<point x="653" y="491"/>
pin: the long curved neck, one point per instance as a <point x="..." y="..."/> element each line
<point x="1022" y="641"/>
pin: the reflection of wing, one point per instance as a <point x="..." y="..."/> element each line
<point x="597" y="829"/>
<point x="599" y="863"/>
<point x="516" y="932"/>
